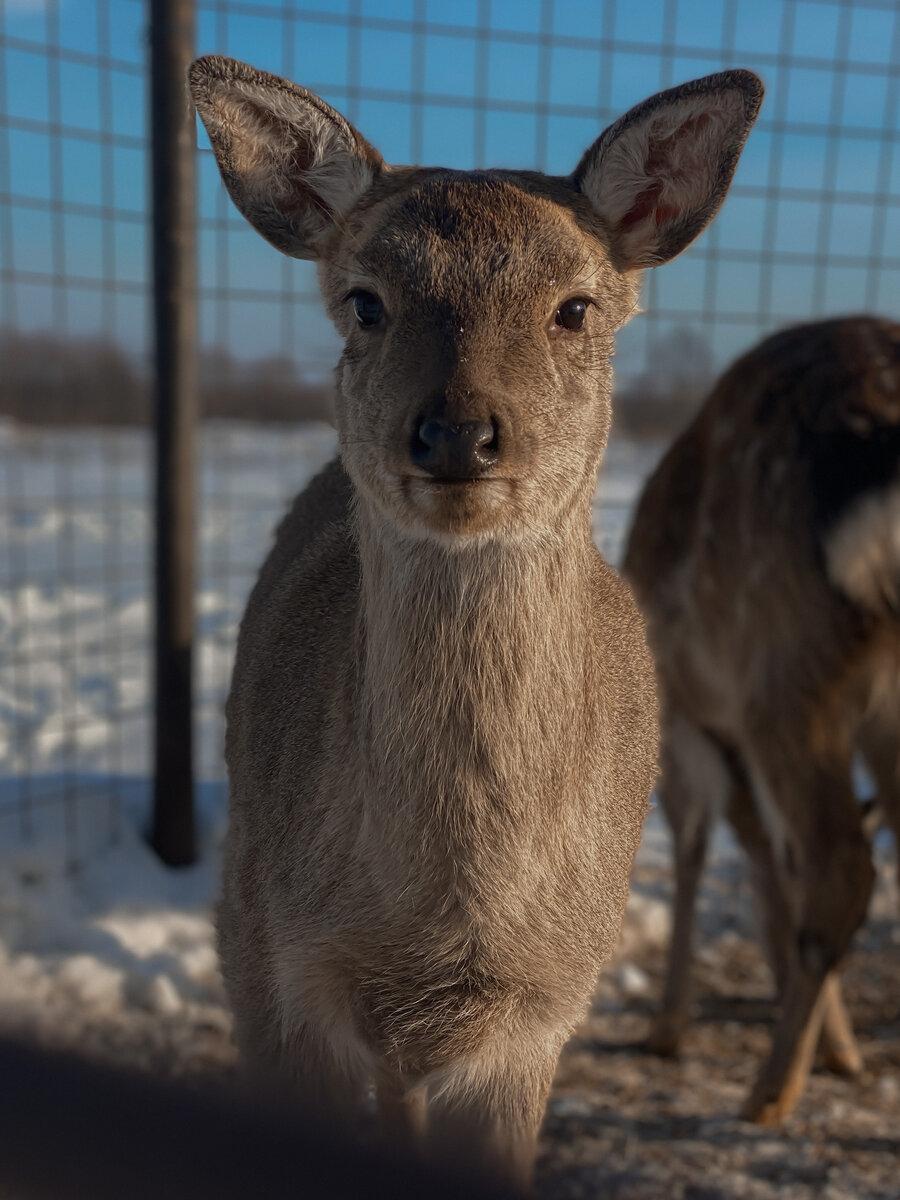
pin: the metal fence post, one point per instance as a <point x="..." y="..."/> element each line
<point x="174" y="300"/>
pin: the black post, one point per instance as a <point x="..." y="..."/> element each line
<point x="173" y="144"/>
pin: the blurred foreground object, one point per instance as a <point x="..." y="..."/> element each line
<point x="74" y="1131"/>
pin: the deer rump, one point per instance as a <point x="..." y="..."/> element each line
<point x="770" y="526"/>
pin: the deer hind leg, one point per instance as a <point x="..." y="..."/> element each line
<point x="823" y="861"/>
<point x="840" y="1050"/>
<point x="879" y="742"/>
<point x="839" y="1046"/>
<point x="695" y="780"/>
<point x="771" y="904"/>
<point x="486" y="1120"/>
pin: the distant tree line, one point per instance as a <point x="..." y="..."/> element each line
<point x="663" y="398"/>
<point x="50" y="380"/>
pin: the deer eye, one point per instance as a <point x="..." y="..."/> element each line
<point x="368" y="309"/>
<point x="571" y="314"/>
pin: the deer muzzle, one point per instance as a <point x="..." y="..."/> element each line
<point x="450" y="449"/>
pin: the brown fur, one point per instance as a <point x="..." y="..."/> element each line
<point x="778" y="656"/>
<point x="441" y="729"/>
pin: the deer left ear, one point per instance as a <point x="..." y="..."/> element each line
<point x="658" y="175"/>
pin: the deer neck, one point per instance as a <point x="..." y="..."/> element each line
<point x="473" y="662"/>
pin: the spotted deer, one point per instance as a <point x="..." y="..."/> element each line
<point x="441" y="732"/>
<point x="765" y="556"/>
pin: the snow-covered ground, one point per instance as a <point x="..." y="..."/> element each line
<point x="75" y="584"/>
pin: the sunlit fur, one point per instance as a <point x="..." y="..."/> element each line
<point x="442" y="724"/>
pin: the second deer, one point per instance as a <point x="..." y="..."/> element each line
<point x="765" y="555"/>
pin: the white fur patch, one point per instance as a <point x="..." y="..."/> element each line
<point x="863" y="551"/>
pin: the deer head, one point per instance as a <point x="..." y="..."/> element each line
<point x="477" y="308"/>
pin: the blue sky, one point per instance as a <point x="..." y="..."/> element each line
<point x="812" y="225"/>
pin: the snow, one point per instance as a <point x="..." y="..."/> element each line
<point x="75" y="581"/>
<point x="120" y="934"/>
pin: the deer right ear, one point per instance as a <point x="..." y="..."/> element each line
<point x="290" y="162"/>
<point x="657" y="176"/>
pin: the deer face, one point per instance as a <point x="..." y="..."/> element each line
<point x="478" y="319"/>
<point x="478" y="309"/>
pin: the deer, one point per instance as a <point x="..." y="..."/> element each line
<point x="765" y="555"/>
<point x="441" y="729"/>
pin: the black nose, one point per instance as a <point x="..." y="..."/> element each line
<point x="455" y="449"/>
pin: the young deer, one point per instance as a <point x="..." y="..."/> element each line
<point x="765" y="555"/>
<point x="441" y="728"/>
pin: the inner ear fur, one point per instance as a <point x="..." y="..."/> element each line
<point x="291" y="163"/>
<point x="658" y="174"/>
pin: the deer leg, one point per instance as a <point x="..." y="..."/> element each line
<point x="695" y="776"/>
<point x="771" y="906"/>
<point x="328" y="1083"/>
<point x="840" y="1051"/>
<point x="782" y="1080"/>
<point x="672" y="1017"/>
<point x="879" y="742"/>
<point x="838" y="1043"/>
<point x="822" y="859"/>
<point x="401" y="1111"/>
<point x="488" y="1122"/>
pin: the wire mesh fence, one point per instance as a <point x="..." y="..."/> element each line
<point x="811" y="227"/>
